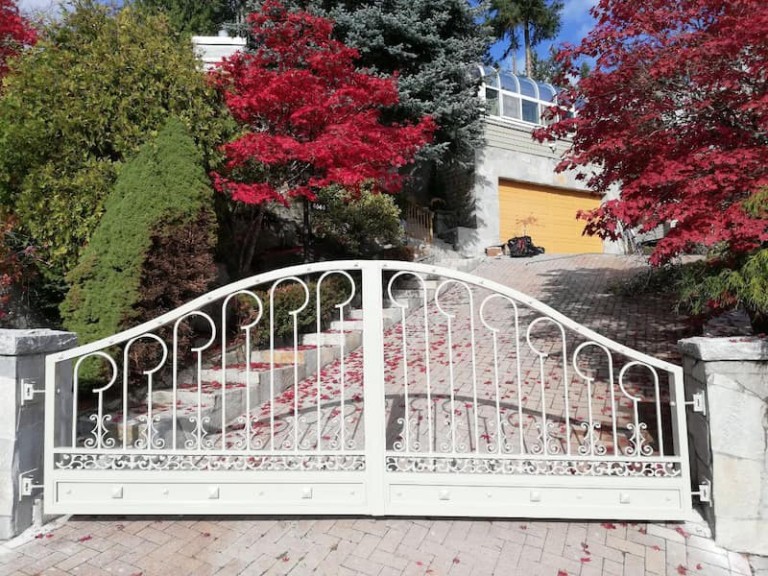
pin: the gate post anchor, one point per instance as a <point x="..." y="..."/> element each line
<point x="698" y="403"/>
<point x="27" y="485"/>
<point x="28" y="390"/>
<point x="704" y="492"/>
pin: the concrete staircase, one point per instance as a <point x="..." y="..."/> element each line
<point x="289" y="365"/>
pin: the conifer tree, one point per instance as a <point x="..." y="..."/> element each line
<point x="429" y="44"/>
<point x="537" y="20"/>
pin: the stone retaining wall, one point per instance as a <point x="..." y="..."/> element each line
<point x="729" y="445"/>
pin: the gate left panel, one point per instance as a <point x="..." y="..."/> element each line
<point x="248" y="400"/>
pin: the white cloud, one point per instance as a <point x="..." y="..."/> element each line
<point x="577" y="10"/>
<point x="30" y="7"/>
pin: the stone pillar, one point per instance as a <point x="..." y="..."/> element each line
<point x="22" y="357"/>
<point x="729" y="445"/>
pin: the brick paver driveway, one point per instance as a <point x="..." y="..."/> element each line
<point x="578" y="287"/>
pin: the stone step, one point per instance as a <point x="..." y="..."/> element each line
<point x="391" y="315"/>
<point x="351" y="339"/>
<point x="350" y="324"/>
<point x="305" y="355"/>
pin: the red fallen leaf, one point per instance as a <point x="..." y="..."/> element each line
<point x="49" y="535"/>
<point x="585" y="559"/>
<point x="562" y="573"/>
<point x="39" y="536"/>
<point x="682" y="569"/>
<point x="523" y="527"/>
<point x="285" y="559"/>
<point x="656" y="547"/>
<point x="608" y="526"/>
<point x="699" y="567"/>
<point x="137" y="574"/>
<point x="85" y="538"/>
<point x="683" y="533"/>
<point x="207" y="534"/>
<point x="643" y="530"/>
<point x="456" y="560"/>
<point x="419" y="563"/>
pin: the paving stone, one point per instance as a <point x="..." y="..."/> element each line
<point x="383" y="547"/>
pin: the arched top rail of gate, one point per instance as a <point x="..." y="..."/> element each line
<point x="414" y="268"/>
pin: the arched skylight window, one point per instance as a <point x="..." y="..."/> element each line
<point x="513" y="96"/>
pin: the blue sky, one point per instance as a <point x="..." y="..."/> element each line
<point x="577" y="22"/>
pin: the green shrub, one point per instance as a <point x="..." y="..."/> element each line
<point x="357" y="226"/>
<point x="153" y="248"/>
<point x="98" y="85"/>
<point x="290" y="296"/>
<point x="723" y="283"/>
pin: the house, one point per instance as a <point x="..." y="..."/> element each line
<point x="213" y="49"/>
<point x="515" y="189"/>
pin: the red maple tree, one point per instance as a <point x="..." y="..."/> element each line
<point x="676" y="114"/>
<point x="15" y="33"/>
<point x="310" y="119"/>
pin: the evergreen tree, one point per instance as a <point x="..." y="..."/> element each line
<point x="537" y="20"/>
<point x="194" y="16"/>
<point x="429" y="44"/>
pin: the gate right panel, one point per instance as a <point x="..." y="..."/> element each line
<point x="500" y="406"/>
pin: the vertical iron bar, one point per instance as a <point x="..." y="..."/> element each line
<point x="426" y="360"/>
<point x="373" y="387"/>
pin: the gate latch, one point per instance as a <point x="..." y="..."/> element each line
<point x="698" y="403"/>
<point x="705" y="492"/>
<point x="27" y="484"/>
<point x="28" y="390"/>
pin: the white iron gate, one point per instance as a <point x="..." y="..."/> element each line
<point x="417" y="391"/>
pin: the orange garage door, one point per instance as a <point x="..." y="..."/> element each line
<point x="548" y="215"/>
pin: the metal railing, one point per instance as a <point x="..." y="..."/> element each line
<point x="418" y="222"/>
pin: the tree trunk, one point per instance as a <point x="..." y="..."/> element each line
<point x="249" y="243"/>
<point x="528" y="53"/>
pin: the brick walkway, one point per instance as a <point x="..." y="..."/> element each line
<point x="577" y="287"/>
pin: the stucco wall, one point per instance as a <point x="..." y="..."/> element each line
<point x="510" y="153"/>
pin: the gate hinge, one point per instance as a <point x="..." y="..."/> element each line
<point x="698" y="402"/>
<point x="27" y="484"/>
<point x="28" y="390"/>
<point x="705" y="492"/>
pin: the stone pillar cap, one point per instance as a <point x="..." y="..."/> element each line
<point x="35" y="341"/>
<point x="723" y="349"/>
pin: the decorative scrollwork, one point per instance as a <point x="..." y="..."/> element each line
<point x="210" y="462"/>
<point x="566" y="467"/>
<point x="592" y="444"/>
<point x="100" y="432"/>
<point x="638" y="445"/>
<point x="148" y="434"/>
<point x="547" y="442"/>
